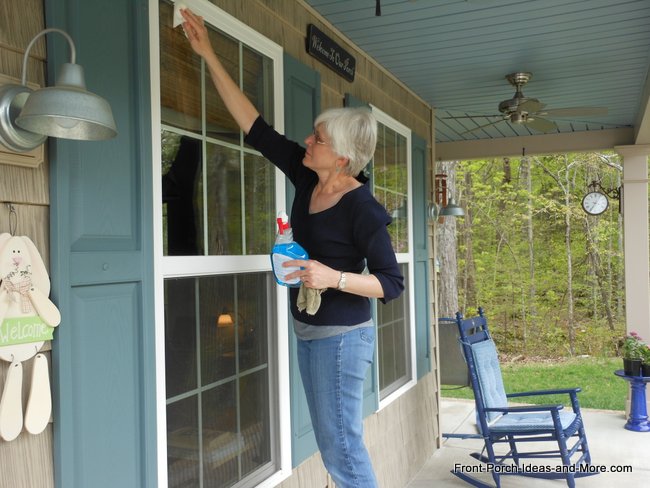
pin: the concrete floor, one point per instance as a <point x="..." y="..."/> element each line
<point x="610" y="445"/>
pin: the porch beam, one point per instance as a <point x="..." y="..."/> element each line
<point x="541" y="144"/>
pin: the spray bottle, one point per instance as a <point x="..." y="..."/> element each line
<point x="286" y="249"/>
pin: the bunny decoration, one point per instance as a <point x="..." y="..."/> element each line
<point x="27" y="320"/>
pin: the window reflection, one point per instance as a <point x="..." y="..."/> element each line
<point x="182" y="195"/>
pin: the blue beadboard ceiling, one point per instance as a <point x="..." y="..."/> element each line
<point x="455" y="55"/>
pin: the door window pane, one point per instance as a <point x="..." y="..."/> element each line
<point x="183" y="444"/>
<point x="390" y="181"/>
<point x="182" y="191"/>
<point x="218" y="194"/>
<point x="218" y="417"/>
<point x="224" y="200"/>
<point x="394" y="341"/>
<point x="219" y="123"/>
<point x="180" y="76"/>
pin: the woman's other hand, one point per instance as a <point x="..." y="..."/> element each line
<point x="313" y="274"/>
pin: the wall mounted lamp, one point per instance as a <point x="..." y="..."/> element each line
<point x="66" y="110"/>
<point x="441" y="207"/>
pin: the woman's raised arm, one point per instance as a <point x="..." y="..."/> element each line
<point x="239" y="106"/>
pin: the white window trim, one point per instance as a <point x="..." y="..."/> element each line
<point x="170" y="266"/>
<point x="407" y="258"/>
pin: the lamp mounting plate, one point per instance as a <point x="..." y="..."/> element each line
<point x="12" y="100"/>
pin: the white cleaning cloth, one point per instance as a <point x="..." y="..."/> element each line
<point x="178" y="18"/>
<point x="309" y="299"/>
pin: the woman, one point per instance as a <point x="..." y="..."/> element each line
<point x="343" y="228"/>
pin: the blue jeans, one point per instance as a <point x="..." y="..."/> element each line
<point x="333" y="372"/>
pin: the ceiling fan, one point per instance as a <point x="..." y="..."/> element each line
<point x="530" y="112"/>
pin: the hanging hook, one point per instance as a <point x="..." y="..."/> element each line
<point x="13" y="218"/>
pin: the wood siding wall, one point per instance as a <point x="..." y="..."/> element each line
<point x="25" y="462"/>
<point x="403" y="435"/>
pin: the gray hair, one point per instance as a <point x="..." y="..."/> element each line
<point x="353" y="135"/>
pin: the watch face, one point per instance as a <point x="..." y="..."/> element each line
<point x="595" y="203"/>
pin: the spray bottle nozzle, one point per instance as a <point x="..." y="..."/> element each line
<point x="283" y="222"/>
<point x="282" y="226"/>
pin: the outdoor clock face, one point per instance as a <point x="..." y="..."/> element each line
<point x="595" y="203"/>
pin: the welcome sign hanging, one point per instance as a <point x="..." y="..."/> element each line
<point x="330" y="53"/>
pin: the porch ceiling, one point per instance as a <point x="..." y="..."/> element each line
<point x="454" y="54"/>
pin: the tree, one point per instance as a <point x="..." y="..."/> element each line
<point x="446" y="247"/>
<point x="547" y="276"/>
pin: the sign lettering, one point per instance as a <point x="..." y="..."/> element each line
<point x="23" y="330"/>
<point x="330" y="53"/>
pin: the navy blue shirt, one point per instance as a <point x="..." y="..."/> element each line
<point x="346" y="237"/>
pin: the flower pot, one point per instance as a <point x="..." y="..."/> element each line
<point x="645" y="369"/>
<point x="632" y="367"/>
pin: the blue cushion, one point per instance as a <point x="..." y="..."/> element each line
<point x="527" y="422"/>
<point x="488" y="371"/>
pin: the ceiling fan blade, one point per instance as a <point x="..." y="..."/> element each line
<point x="530" y="106"/>
<point x="470" y="116"/>
<point x="541" y="125"/>
<point x="481" y="127"/>
<point x="574" y="112"/>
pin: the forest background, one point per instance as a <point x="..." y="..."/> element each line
<point x="548" y="275"/>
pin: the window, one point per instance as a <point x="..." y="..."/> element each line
<point x="391" y="179"/>
<point x="220" y="312"/>
<point x="219" y="372"/>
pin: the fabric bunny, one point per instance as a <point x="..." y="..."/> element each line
<point x="27" y="318"/>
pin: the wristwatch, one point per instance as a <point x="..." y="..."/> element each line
<point x="341" y="285"/>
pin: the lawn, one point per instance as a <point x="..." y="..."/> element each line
<point x="600" y="388"/>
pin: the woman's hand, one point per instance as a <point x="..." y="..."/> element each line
<point x="313" y="274"/>
<point x="196" y="33"/>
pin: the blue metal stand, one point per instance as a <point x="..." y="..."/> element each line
<point x="638" y="419"/>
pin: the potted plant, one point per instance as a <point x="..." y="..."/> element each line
<point x="645" y="360"/>
<point x="632" y="354"/>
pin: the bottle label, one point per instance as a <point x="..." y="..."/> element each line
<point x="281" y="272"/>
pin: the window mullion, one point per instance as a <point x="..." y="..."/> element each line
<point x="242" y="174"/>
<point x="204" y="162"/>
<point x="197" y="312"/>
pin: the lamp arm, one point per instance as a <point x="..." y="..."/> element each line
<point x="73" y="51"/>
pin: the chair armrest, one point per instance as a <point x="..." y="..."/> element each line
<point x="544" y="392"/>
<point x="525" y="408"/>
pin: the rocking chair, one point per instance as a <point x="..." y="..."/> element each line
<point x="520" y="426"/>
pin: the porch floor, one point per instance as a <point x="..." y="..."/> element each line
<point x="610" y="445"/>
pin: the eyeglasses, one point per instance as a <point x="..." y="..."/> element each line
<point x="318" y="140"/>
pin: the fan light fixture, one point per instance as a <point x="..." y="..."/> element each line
<point x="66" y="110"/>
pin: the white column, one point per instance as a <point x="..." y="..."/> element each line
<point x="637" y="257"/>
<point x="635" y="222"/>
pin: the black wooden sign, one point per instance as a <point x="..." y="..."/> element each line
<point x="329" y="52"/>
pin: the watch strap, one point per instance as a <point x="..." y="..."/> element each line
<point x="342" y="282"/>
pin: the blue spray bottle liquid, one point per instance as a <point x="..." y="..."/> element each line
<point x="286" y="249"/>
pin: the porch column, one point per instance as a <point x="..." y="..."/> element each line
<point x="635" y="222"/>
<point x="637" y="258"/>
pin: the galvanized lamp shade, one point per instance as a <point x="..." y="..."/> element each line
<point x="66" y="110"/>
<point x="452" y="210"/>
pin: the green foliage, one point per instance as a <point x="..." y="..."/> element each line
<point x="595" y="376"/>
<point x="533" y="308"/>
<point x="634" y="347"/>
